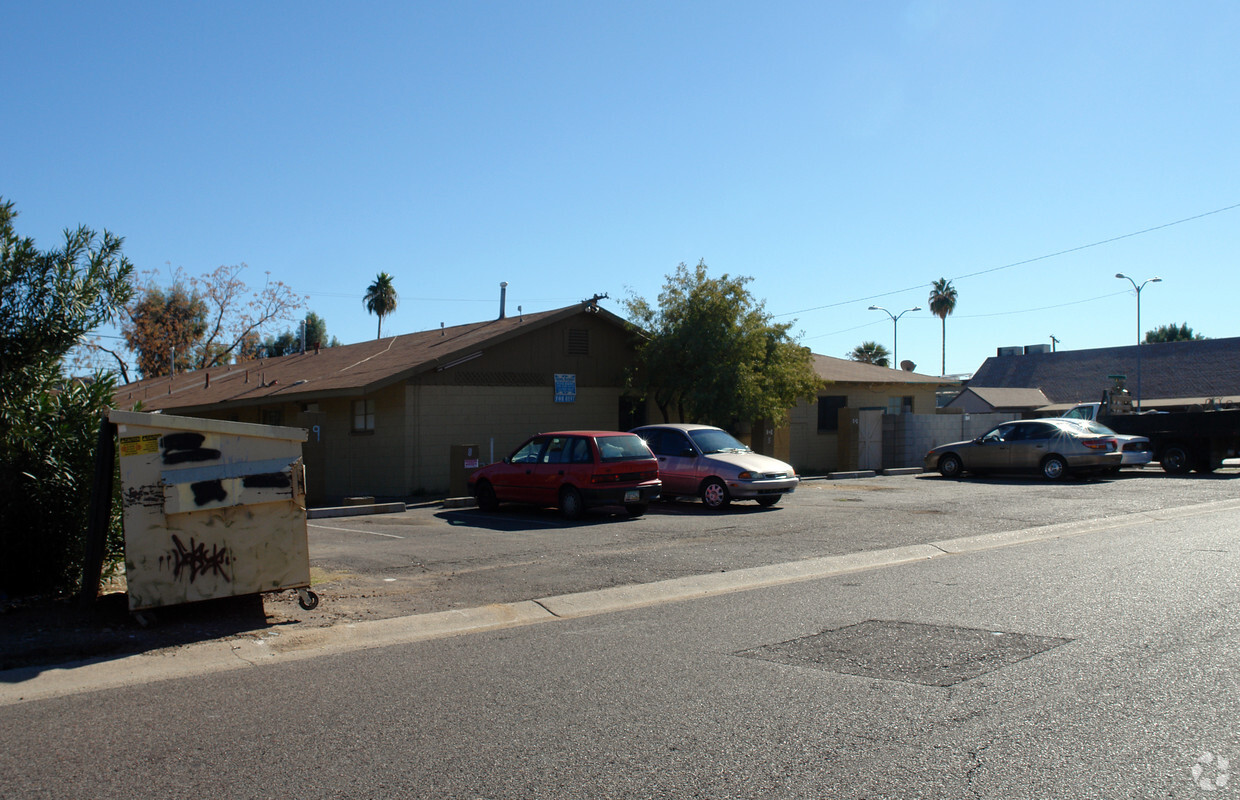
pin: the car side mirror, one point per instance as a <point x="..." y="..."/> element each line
<point x="687" y="453"/>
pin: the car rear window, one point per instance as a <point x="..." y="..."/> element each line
<point x="622" y="447"/>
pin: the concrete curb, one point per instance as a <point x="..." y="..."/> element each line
<point x="355" y="511"/>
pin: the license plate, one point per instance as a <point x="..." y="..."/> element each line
<point x="632" y="496"/>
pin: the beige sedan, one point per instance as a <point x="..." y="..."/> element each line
<point x="1054" y="447"/>
<point x="710" y="463"/>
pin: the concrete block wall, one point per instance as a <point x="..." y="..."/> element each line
<point x="908" y="437"/>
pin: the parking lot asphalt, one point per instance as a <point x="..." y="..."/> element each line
<point x="433" y="559"/>
<point x="451" y="565"/>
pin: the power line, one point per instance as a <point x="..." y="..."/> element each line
<point x="979" y="316"/>
<point x="1020" y="263"/>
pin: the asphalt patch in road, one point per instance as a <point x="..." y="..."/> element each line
<point x="931" y="655"/>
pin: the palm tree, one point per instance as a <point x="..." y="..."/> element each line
<point x="942" y="304"/>
<point x="871" y="353"/>
<point x="380" y="298"/>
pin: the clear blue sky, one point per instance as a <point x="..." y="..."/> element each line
<point x="839" y="153"/>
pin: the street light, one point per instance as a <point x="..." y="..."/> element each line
<point x="1138" y="289"/>
<point x="895" y="318"/>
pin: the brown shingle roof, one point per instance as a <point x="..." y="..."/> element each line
<point x="842" y="370"/>
<point x="347" y="369"/>
<point x="1205" y="368"/>
<point x="1001" y="398"/>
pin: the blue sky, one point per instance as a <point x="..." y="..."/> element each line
<point x="840" y="154"/>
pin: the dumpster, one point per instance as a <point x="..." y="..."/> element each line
<point x="211" y="509"/>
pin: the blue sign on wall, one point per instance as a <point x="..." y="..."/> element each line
<point x="565" y="387"/>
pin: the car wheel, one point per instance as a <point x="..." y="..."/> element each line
<point x="571" y="504"/>
<point x="484" y="493"/>
<point x="767" y="502"/>
<point x="1175" y="459"/>
<point x="715" y="494"/>
<point x="1054" y="468"/>
<point x="950" y="465"/>
<point x="636" y="509"/>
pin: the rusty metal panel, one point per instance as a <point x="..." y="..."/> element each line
<point x="211" y="508"/>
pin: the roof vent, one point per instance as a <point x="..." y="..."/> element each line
<point x="503" y="297"/>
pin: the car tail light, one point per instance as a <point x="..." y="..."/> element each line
<point x="1101" y="444"/>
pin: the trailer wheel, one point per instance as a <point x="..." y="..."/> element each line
<point x="1175" y="459"/>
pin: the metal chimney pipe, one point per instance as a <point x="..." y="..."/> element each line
<point x="503" y="296"/>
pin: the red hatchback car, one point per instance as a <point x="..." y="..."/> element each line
<point x="573" y="471"/>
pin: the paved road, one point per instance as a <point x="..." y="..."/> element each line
<point x="1096" y="660"/>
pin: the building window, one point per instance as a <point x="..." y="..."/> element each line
<point x="273" y="416"/>
<point x="828" y="412"/>
<point x="900" y="405"/>
<point x="363" y="415"/>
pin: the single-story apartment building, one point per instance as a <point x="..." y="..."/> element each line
<point x="383" y="416"/>
<point x="842" y="428"/>
<point x="386" y="418"/>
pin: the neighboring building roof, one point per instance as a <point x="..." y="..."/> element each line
<point x="346" y="369"/>
<point x="1003" y="399"/>
<point x="842" y="370"/>
<point x="1204" y="368"/>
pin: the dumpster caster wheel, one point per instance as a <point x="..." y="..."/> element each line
<point x="307" y="599"/>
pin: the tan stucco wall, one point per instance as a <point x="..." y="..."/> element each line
<point x="814" y="452"/>
<point x="497" y="420"/>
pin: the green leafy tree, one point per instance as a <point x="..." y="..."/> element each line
<point x="712" y="352"/>
<point x="942" y="303"/>
<point x="380" y="299"/>
<point x="871" y="353"/>
<point x="290" y="341"/>
<point x="48" y="423"/>
<point x="1172" y="333"/>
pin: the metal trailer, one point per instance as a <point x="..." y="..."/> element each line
<point x="1184" y="440"/>
<point x="211" y="509"/>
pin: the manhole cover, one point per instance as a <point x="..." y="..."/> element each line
<point x="933" y="655"/>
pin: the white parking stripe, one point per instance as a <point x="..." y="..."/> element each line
<point x="354" y="530"/>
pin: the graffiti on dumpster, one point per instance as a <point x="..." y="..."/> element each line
<point x="194" y="560"/>
<point x="182" y="447"/>
<point x="208" y="491"/>
<point x="267" y="480"/>
<point x="144" y="496"/>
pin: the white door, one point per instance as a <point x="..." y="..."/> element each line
<point x="870" y="439"/>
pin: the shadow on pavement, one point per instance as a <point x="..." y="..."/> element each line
<point x="41" y="632"/>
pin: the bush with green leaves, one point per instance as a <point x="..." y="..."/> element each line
<point x="49" y="423"/>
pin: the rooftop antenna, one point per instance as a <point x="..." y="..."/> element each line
<point x="1054" y="342"/>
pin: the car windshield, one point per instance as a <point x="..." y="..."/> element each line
<point x="622" y="447"/>
<point x="713" y="440"/>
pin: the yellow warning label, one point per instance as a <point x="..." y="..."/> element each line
<point x="139" y="445"/>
